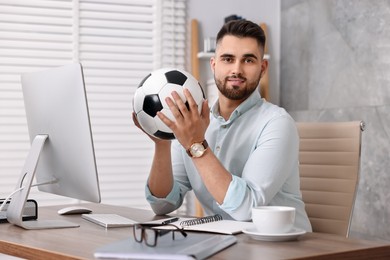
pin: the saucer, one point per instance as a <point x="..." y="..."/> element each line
<point x="293" y="234"/>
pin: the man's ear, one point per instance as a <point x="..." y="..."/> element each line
<point x="212" y="64"/>
<point x="264" y="67"/>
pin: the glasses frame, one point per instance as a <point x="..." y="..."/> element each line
<point x="157" y="232"/>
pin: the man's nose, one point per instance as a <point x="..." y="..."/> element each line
<point x="237" y="68"/>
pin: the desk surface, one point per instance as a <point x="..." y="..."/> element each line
<point x="80" y="243"/>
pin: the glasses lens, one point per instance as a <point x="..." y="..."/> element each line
<point x="150" y="236"/>
<point x="179" y="234"/>
<point x="137" y="231"/>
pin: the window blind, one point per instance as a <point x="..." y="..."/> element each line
<point x="118" y="43"/>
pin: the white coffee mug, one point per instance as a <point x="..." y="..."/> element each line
<point x="273" y="219"/>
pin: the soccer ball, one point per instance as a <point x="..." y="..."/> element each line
<point x="150" y="95"/>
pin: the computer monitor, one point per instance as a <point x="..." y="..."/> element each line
<point x="62" y="154"/>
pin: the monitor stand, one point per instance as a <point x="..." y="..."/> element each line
<point x="18" y="201"/>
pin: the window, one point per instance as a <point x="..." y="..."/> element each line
<point x="118" y="42"/>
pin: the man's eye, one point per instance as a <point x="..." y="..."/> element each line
<point x="227" y="59"/>
<point x="249" y="61"/>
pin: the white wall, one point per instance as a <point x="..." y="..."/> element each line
<point x="211" y="13"/>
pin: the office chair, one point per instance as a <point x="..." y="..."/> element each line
<point x="329" y="157"/>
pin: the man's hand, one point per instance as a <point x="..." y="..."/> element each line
<point x="189" y="126"/>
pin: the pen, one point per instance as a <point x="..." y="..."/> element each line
<point x="169" y="221"/>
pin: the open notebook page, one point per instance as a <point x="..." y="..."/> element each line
<point x="230" y="227"/>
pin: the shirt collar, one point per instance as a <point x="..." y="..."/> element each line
<point x="251" y="101"/>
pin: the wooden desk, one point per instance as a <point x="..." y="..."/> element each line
<point x="80" y="243"/>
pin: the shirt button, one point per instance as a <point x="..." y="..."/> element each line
<point x="218" y="148"/>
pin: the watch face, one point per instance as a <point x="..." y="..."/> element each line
<point x="197" y="150"/>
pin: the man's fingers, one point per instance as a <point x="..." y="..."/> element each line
<point x="190" y="100"/>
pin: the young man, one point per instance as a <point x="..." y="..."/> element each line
<point x="241" y="154"/>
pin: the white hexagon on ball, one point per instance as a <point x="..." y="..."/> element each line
<point x="167" y="90"/>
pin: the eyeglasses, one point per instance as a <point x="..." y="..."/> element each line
<point x="150" y="233"/>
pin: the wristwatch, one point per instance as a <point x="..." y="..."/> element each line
<point x="197" y="149"/>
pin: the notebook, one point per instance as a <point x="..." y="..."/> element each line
<point x="211" y="224"/>
<point x="194" y="246"/>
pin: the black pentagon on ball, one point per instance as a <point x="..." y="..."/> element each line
<point x="175" y="77"/>
<point x="164" y="135"/>
<point x="152" y="105"/>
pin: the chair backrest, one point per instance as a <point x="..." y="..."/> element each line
<point x="329" y="157"/>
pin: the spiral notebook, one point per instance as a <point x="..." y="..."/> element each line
<point x="210" y="224"/>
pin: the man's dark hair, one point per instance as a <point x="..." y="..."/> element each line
<point x="241" y="29"/>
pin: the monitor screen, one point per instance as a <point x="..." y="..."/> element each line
<point x="57" y="110"/>
<point x="56" y="105"/>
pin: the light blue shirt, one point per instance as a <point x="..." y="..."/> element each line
<point x="259" y="146"/>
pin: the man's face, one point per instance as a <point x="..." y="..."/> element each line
<point x="237" y="67"/>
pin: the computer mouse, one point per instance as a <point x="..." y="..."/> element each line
<point x="74" y="210"/>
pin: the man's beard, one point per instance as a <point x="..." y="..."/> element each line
<point x="235" y="92"/>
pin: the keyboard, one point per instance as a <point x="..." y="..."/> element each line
<point x="109" y="220"/>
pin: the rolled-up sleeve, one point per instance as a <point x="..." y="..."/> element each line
<point x="165" y="205"/>
<point x="234" y="195"/>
